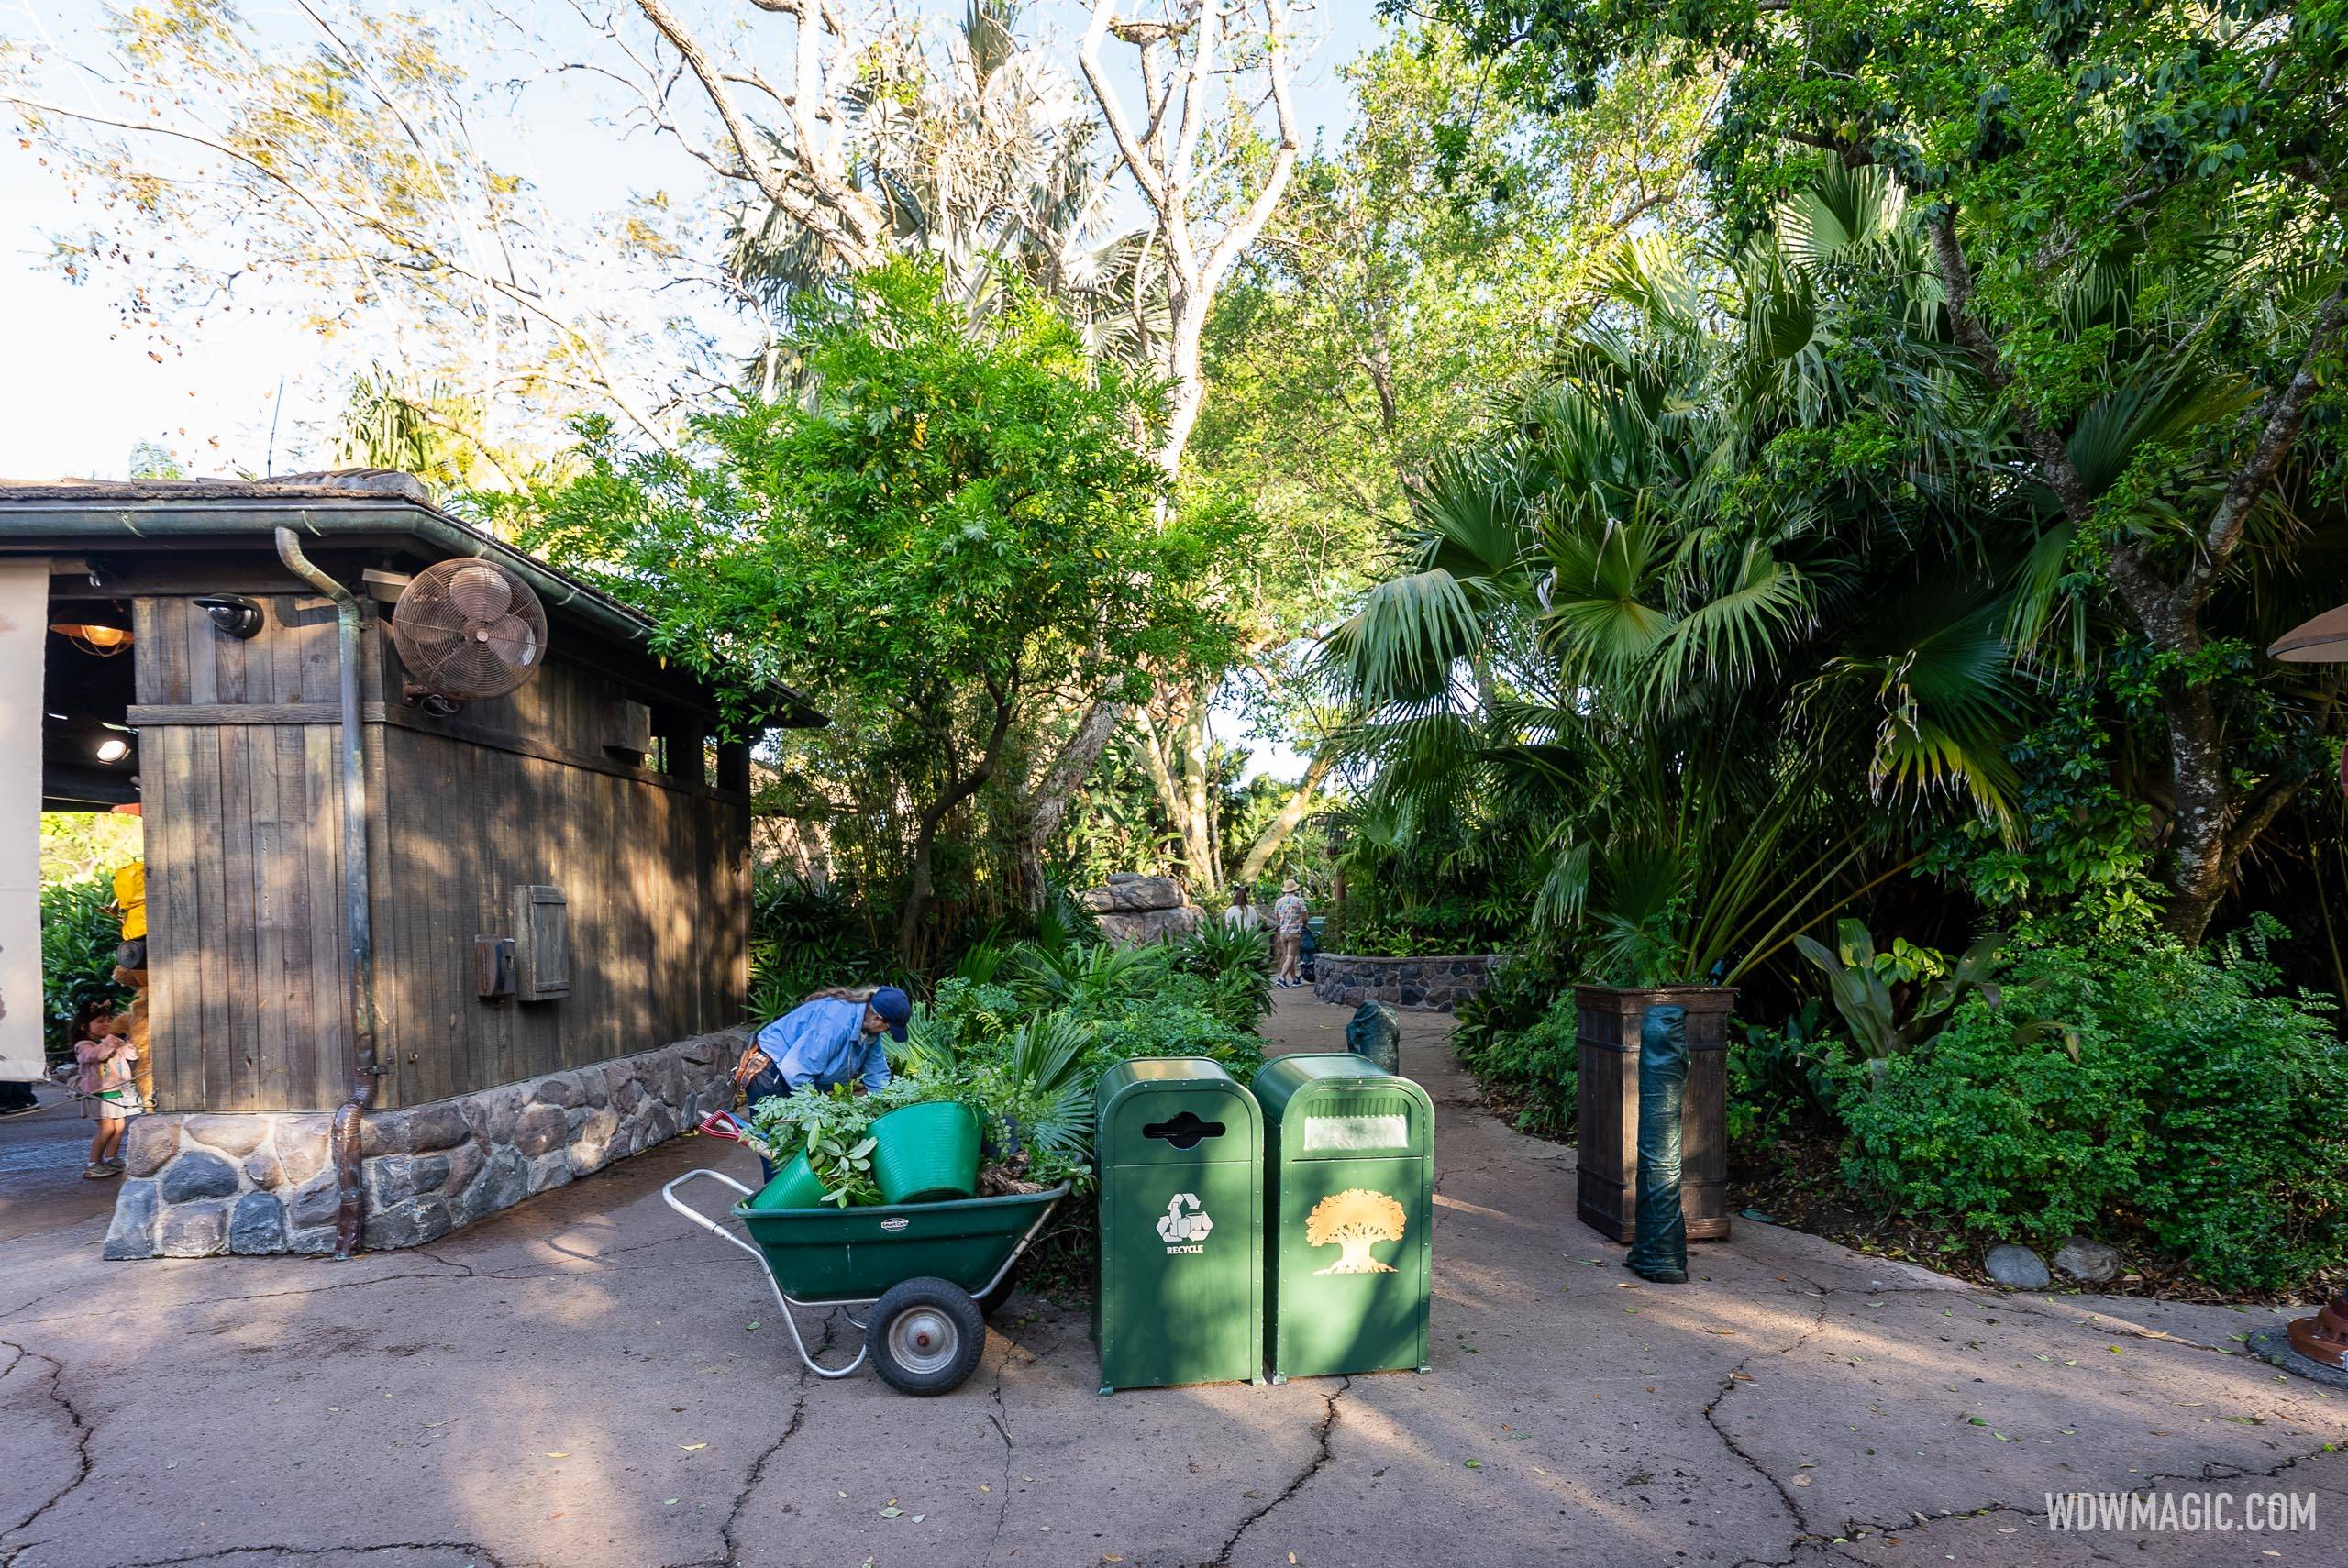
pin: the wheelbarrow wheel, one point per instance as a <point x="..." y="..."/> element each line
<point x="925" y="1336"/>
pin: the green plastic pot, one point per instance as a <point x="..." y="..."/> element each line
<point x="795" y="1186"/>
<point x="926" y="1154"/>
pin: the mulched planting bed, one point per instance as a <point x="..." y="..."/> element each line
<point x="1797" y="1182"/>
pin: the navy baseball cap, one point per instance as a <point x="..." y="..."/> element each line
<point x="894" y="1007"/>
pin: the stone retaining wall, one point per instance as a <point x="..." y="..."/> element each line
<point x="1436" y="984"/>
<point x="198" y="1184"/>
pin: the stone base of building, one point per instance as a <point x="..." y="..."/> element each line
<point x="1436" y="984"/>
<point x="199" y="1185"/>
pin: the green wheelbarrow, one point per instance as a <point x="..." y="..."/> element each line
<point x="931" y="1273"/>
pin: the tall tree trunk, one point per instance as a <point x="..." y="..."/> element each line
<point x="2212" y="820"/>
<point x="920" y="884"/>
<point x="1045" y="807"/>
<point x="1198" y="828"/>
<point x="1276" y="833"/>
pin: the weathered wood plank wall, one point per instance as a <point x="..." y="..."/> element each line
<point x="241" y="773"/>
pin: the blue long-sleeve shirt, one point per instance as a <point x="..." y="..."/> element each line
<point x="821" y="1043"/>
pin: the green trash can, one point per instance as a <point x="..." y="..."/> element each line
<point x="1349" y="1182"/>
<point x="1181" y="1296"/>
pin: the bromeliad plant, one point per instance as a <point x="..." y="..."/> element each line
<point x="1896" y="1002"/>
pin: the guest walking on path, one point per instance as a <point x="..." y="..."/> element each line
<point x="1289" y="914"/>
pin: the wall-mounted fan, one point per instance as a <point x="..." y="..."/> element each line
<point x="468" y="630"/>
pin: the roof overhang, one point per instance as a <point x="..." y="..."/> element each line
<point x="361" y="506"/>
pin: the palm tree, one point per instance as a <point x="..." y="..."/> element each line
<point x="1657" y="603"/>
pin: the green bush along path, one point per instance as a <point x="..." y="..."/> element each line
<point x="587" y="1382"/>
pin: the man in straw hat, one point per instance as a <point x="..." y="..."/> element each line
<point x="1288" y="934"/>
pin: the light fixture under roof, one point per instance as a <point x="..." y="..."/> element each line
<point x="94" y="637"/>
<point x="113" y="748"/>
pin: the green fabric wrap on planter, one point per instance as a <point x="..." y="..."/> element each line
<point x="1376" y="1035"/>
<point x="795" y="1186"/>
<point x="927" y="1152"/>
<point x="1659" y="1247"/>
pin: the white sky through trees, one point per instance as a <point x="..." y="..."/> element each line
<point x="86" y="390"/>
<point x="246" y="387"/>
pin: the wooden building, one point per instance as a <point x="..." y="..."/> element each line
<point x="555" y="877"/>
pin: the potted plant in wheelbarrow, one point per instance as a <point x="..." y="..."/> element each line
<point x="875" y="1205"/>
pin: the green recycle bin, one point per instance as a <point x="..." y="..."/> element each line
<point x="1349" y="1203"/>
<point x="1180" y="1150"/>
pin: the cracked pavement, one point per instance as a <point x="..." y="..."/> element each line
<point x="578" y="1383"/>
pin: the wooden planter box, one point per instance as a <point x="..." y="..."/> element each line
<point x="1607" y="1102"/>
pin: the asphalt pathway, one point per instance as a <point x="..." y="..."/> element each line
<point x="586" y="1381"/>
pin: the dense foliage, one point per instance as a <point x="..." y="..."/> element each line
<point x="948" y="539"/>
<point x="2189" y="1100"/>
<point x="79" y="934"/>
<point x="1021" y="1033"/>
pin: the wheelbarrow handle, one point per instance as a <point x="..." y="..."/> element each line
<point x="782" y="1303"/>
<point x="668" y="1196"/>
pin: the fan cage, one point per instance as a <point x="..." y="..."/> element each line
<point x="468" y="629"/>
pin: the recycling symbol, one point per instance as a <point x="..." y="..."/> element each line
<point x="1178" y="1226"/>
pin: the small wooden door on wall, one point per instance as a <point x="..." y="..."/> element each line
<point x="541" y="944"/>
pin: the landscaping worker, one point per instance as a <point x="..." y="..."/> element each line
<point x="832" y="1037"/>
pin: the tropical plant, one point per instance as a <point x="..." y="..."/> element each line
<point x="1894" y="1001"/>
<point x="1690" y="582"/>
<point x="1078" y="975"/>
<point x="1784" y="1076"/>
<point x="830" y="1127"/>
<point x="804" y="934"/>
<point x="1236" y="961"/>
<point x="78" y="938"/>
<point x="1531" y="1069"/>
<point x="2128" y="212"/>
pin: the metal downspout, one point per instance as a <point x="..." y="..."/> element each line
<point x="364" y="1070"/>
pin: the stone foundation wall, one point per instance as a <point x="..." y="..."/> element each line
<point x="1436" y="984"/>
<point x="198" y="1184"/>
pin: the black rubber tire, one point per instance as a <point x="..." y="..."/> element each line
<point x="925" y="1336"/>
<point x="991" y="1302"/>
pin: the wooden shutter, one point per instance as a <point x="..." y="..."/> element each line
<point x="541" y="944"/>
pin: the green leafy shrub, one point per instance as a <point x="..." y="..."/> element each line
<point x="78" y="939"/>
<point x="1507" y="1037"/>
<point x="806" y="935"/>
<point x="1238" y="961"/>
<point x="1533" y="1071"/>
<point x="2188" y="1100"/>
<point x="830" y="1127"/>
<point x="1782" y="1077"/>
<point x="1168" y="1027"/>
